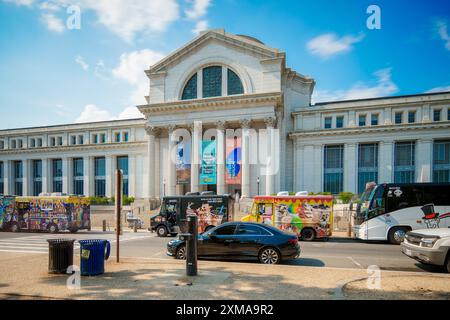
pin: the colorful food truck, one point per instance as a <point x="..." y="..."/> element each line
<point x="50" y="214"/>
<point x="310" y="217"/>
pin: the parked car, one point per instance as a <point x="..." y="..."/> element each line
<point x="429" y="246"/>
<point x="241" y="240"/>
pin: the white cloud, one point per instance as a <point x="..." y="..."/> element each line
<point x="49" y="6"/>
<point x="52" y="22"/>
<point x="443" y="33"/>
<point x="80" y="61"/>
<point x="62" y="110"/>
<point x="198" y="9"/>
<point x="328" y="44"/>
<point x="130" y="113"/>
<point x="100" y="70"/>
<point x="27" y="3"/>
<point x="92" y="113"/>
<point x="200" y="26"/>
<point x="384" y="87"/>
<point x="438" y="89"/>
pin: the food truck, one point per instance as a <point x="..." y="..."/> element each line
<point x="52" y="214"/>
<point x="310" y="217"/>
<point x="212" y="210"/>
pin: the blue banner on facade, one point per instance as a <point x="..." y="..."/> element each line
<point x="183" y="165"/>
<point x="208" y="166"/>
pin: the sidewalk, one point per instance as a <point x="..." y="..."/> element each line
<point x="25" y="277"/>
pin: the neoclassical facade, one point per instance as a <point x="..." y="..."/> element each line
<point x="225" y="113"/>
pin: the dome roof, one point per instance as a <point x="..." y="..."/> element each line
<point x="250" y="38"/>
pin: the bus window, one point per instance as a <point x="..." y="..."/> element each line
<point x="377" y="203"/>
<point x="437" y="195"/>
<point x="403" y="197"/>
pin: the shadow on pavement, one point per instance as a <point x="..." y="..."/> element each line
<point x="306" y="262"/>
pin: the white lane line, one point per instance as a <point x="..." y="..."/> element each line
<point x="355" y="262"/>
<point x="24" y="244"/>
<point x="24" y="251"/>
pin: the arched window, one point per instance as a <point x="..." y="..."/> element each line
<point x="190" y="90"/>
<point x="213" y="84"/>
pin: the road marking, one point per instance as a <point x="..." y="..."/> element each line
<point x="355" y="262"/>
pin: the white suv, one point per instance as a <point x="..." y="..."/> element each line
<point x="429" y="246"/>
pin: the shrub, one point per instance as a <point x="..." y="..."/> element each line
<point x="345" y="197"/>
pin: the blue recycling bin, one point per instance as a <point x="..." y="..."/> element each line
<point x="93" y="254"/>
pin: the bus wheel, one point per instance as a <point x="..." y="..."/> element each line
<point x="14" y="227"/>
<point x="308" y="234"/>
<point x="53" y="228"/>
<point x="161" y="231"/>
<point x="397" y="234"/>
<point x="73" y="230"/>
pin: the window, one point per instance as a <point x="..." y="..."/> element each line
<point x="362" y="120"/>
<point x="437" y="115"/>
<point x="13" y="144"/>
<point x="339" y="122"/>
<point x="37" y="177"/>
<point x="73" y="140"/>
<point x="2" y="186"/>
<point x="190" y="89"/>
<point x="225" y="230"/>
<point x="18" y="178"/>
<point x="19" y="143"/>
<point x="117" y="137"/>
<point x="398" y="117"/>
<point x="404" y="162"/>
<point x="95" y="138"/>
<point x="80" y="139"/>
<point x="2" y="144"/>
<point x="234" y="83"/>
<point x="411" y="116"/>
<point x="251" y="230"/>
<point x="333" y="169"/>
<point x="32" y="143"/>
<point x="328" y="121"/>
<point x="100" y="179"/>
<point x="103" y="138"/>
<point x="125" y="136"/>
<point x="437" y="195"/>
<point x="410" y="196"/>
<point x="60" y="141"/>
<point x="441" y="161"/>
<point x="39" y="142"/>
<point x="52" y="141"/>
<point x="374" y="119"/>
<point x="367" y="164"/>
<point x="57" y="171"/>
<point x="448" y="114"/>
<point x="78" y="176"/>
<point x="212" y="81"/>
<point x="122" y="164"/>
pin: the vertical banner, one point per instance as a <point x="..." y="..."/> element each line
<point x="233" y="160"/>
<point x="208" y="166"/>
<point x="183" y="164"/>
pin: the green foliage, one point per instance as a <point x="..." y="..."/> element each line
<point x="345" y="197"/>
<point x="103" y="201"/>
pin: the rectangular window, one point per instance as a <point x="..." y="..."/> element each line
<point x="212" y="81"/>
<point x="60" y="141"/>
<point x="2" y="144"/>
<point x="95" y="138"/>
<point x="448" y="114"/>
<point x="57" y="175"/>
<point x="404" y="162"/>
<point x="52" y="141"/>
<point x="411" y="116"/>
<point x="100" y="177"/>
<point x="37" y="177"/>
<point x="122" y="164"/>
<point x="367" y="164"/>
<point x="103" y="138"/>
<point x="78" y="176"/>
<point x="2" y="185"/>
<point x="18" y="178"/>
<point x="374" y="119"/>
<point x="328" y="121"/>
<point x="73" y="140"/>
<point x="32" y="143"/>
<point x="362" y="120"/>
<point x="80" y="139"/>
<point x="437" y="115"/>
<point x="20" y="143"/>
<point x="441" y="161"/>
<point x="39" y="142"/>
<point x="13" y="144"/>
<point x="117" y="137"/>
<point x="339" y="122"/>
<point x="333" y="169"/>
<point x="398" y="117"/>
<point x="125" y="136"/>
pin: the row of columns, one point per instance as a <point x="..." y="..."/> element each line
<point x="196" y="138"/>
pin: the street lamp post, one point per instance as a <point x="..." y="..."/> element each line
<point x="257" y="181"/>
<point x="164" y="187"/>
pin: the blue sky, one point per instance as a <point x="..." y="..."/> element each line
<point x="50" y="74"/>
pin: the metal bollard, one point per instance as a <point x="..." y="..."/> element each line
<point x="104" y="225"/>
<point x="191" y="246"/>
<point x="135" y="226"/>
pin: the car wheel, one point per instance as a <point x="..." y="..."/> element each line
<point x="14" y="227"/>
<point x="181" y="253"/>
<point x="269" y="256"/>
<point x="161" y="231"/>
<point x="308" y="234"/>
<point x="53" y="228"/>
<point x="397" y="235"/>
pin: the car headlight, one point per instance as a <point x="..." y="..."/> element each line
<point x="428" y="242"/>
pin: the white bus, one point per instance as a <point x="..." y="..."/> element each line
<point x="387" y="211"/>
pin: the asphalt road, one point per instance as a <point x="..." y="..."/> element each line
<point x="337" y="252"/>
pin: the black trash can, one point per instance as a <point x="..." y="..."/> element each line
<point x="60" y="255"/>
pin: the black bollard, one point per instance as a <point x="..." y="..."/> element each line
<point x="191" y="246"/>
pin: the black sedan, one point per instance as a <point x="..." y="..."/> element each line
<point x="241" y="240"/>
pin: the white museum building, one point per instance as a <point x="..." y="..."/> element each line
<point x="221" y="81"/>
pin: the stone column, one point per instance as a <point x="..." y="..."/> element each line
<point x="317" y="168"/>
<point x="171" y="170"/>
<point x="45" y="176"/>
<point x="196" y="132"/>
<point x="109" y="192"/>
<point x="67" y="178"/>
<point x="132" y="177"/>
<point x="158" y="179"/>
<point x="386" y="157"/>
<point x="151" y="132"/>
<point x="88" y="178"/>
<point x="350" y="167"/>
<point x="424" y="156"/>
<point x="220" y="138"/>
<point x="245" y="125"/>
<point x="7" y="177"/>
<point x="271" y="155"/>
<point x="26" y="177"/>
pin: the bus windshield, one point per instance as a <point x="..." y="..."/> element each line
<point x="363" y="205"/>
